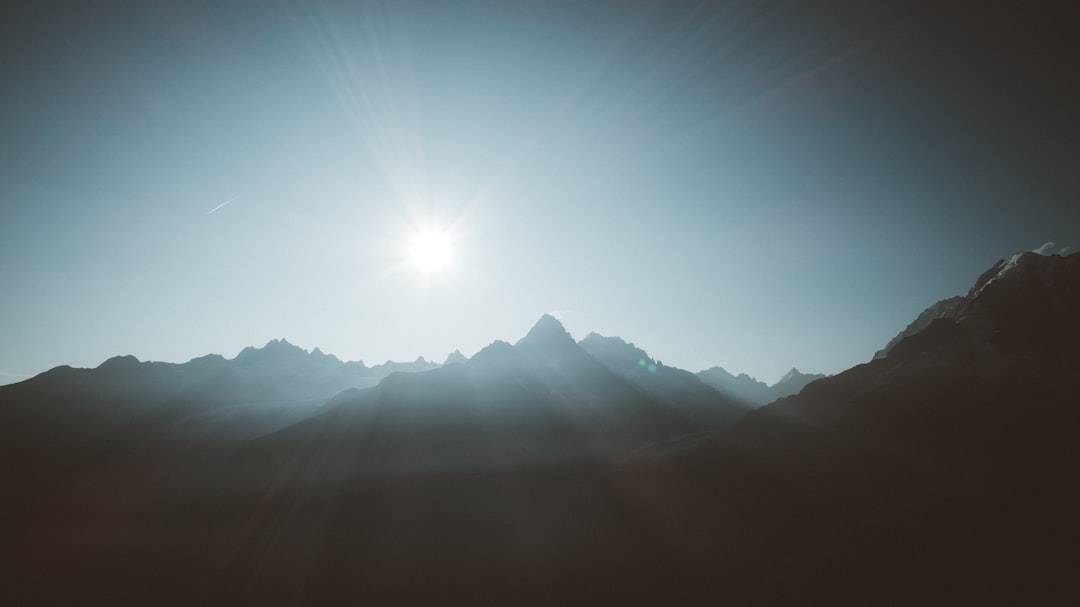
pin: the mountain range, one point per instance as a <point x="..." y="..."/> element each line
<point x="749" y="390"/>
<point x="551" y="470"/>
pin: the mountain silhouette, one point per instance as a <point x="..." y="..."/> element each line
<point x="748" y="390"/>
<point x="741" y="387"/>
<point x="455" y="357"/>
<point x="62" y="423"/>
<point x="793" y="382"/>
<point x="679" y="390"/>
<point x="554" y="471"/>
<point x="950" y="448"/>
<point x="510" y="462"/>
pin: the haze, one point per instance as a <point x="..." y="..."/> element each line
<point x="752" y="186"/>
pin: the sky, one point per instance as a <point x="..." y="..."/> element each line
<point x="744" y="184"/>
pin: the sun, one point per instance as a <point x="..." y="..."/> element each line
<point x="431" y="251"/>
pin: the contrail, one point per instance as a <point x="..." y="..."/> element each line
<point x="222" y="204"/>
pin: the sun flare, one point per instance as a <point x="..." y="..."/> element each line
<point x="431" y="251"/>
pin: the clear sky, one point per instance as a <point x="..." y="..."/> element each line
<point x="752" y="185"/>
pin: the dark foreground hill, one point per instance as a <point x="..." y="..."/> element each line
<point x="64" y="426"/>
<point x="941" y="472"/>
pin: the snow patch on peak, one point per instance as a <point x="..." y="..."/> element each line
<point x="1047" y="248"/>
<point x="1021" y="277"/>
<point x="997" y="272"/>
<point x="1024" y="267"/>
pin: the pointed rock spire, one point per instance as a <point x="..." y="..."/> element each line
<point x="547" y="331"/>
<point x="455" y="357"/>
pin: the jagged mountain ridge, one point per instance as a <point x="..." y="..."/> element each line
<point x="542" y="397"/>
<point x="749" y="390"/>
<point x="533" y="472"/>
<point x="1025" y="270"/>
<point x="677" y="388"/>
<point x="535" y="435"/>
<point x="522" y="443"/>
<point x="278" y="373"/>
<point x="62" y="423"/>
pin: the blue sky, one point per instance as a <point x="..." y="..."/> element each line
<point x="757" y="186"/>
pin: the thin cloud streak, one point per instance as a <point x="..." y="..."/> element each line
<point x="221" y="205"/>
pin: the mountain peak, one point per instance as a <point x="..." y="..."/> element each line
<point x="547" y="322"/>
<point x="455" y="357"/>
<point x="793" y="382"/>
<point x="275" y="348"/>
<point x="120" y="362"/>
<point x="790" y="375"/>
<point x="547" y="330"/>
